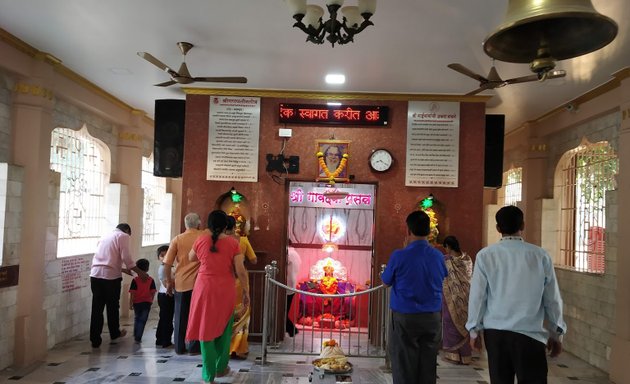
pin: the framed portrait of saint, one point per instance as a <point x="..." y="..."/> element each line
<point x="332" y="164"/>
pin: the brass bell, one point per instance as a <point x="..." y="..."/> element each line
<point x="549" y="30"/>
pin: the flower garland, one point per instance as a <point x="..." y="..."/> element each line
<point x="426" y="205"/>
<point x="239" y="228"/>
<point x="433" y="225"/>
<point x="332" y="176"/>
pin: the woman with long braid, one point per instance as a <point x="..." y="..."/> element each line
<point x="212" y="307"/>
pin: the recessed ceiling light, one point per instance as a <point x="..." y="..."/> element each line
<point x="333" y="103"/>
<point x="335" y="78"/>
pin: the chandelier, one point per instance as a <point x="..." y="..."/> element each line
<point x="354" y="20"/>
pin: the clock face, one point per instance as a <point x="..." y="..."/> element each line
<point x="381" y="160"/>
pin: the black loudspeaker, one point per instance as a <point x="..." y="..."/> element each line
<point x="168" y="145"/>
<point x="493" y="161"/>
<point x="294" y="164"/>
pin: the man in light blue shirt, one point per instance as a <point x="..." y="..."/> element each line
<point x="515" y="300"/>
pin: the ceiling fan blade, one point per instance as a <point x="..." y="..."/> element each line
<point x="166" y="83"/>
<point x="221" y="79"/>
<point x="151" y="59"/>
<point x="465" y="71"/>
<point x="483" y="87"/>
<point x="523" y="79"/>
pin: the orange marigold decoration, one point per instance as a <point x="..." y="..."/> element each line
<point x="332" y="176"/>
<point x="426" y="205"/>
<point x="240" y="220"/>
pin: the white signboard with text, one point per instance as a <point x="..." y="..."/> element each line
<point x="234" y="128"/>
<point x="432" y="144"/>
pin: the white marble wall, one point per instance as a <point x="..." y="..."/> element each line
<point x="10" y="214"/>
<point x="68" y="313"/>
<point x="589" y="300"/>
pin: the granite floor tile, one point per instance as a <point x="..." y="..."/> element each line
<point x="75" y="362"/>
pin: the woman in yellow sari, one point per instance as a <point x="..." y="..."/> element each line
<point x="239" y="348"/>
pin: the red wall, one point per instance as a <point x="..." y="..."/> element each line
<point x="462" y="206"/>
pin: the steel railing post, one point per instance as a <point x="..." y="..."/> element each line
<point x="265" y="329"/>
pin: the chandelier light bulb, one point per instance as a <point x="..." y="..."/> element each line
<point x="313" y="15"/>
<point x="297" y="7"/>
<point x="352" y="15"/>
<point x="367" y="6"/>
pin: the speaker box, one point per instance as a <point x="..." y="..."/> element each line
<point x="168" y="145"/>
<point x="493" y="161"/>
<point x="294" y="164"/>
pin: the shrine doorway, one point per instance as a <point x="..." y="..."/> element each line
<point x="330" y="232"/>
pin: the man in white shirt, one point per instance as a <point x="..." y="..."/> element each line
<point x="515" y="300"/>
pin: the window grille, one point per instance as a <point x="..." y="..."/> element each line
<point x="513" y="186"/>
<point x="587" y="173"/>
<point x="156" y="220"/>
<point x="83" y="163"/>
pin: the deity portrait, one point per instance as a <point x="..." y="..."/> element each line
<point x="333" y="151"/>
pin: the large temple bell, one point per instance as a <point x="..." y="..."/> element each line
<point x="539" y="32"/>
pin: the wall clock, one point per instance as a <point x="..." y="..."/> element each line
<point x="381" y="160"/>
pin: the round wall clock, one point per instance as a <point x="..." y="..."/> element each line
<point x="381" y="160"/>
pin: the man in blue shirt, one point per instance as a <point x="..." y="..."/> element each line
<point x="514" y="295"/>
<point x="415" y="274"/>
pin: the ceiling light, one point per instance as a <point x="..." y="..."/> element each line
<point x="333" y="103"/>
<point x="334" y="78"/>
<point x="309" y="18"/>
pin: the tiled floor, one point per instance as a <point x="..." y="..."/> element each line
<point x="126" y="362"/>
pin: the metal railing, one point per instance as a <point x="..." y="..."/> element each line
<point x="358" y="321"/>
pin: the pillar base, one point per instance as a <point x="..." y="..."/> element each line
<point x="620" y="356"/>
<point x="30" y="339"/>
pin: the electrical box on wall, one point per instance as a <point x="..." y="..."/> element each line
<point x="283" y="164"/>
<point x="275" y="163"/>
<point x="285" y="132"/>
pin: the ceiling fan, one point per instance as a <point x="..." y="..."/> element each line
<point x="493" y="80"/>
<point x="182" y="76"/>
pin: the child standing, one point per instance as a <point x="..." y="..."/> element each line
<point x="141" y="295"/>
<point x="166" y="301"/>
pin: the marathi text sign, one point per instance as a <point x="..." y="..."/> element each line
<point x="432" y="144"/>
<point x="336" y="115"/>
<point x="75" y="273"/>
<point x="234" y="127"/>
<point x="350" y="196"/>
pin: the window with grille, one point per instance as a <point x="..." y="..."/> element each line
<point x="84" y="165"/>
<point x="586" y="173"/>
<point x="513" y="185"/>
<point x="156" y="220"/>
